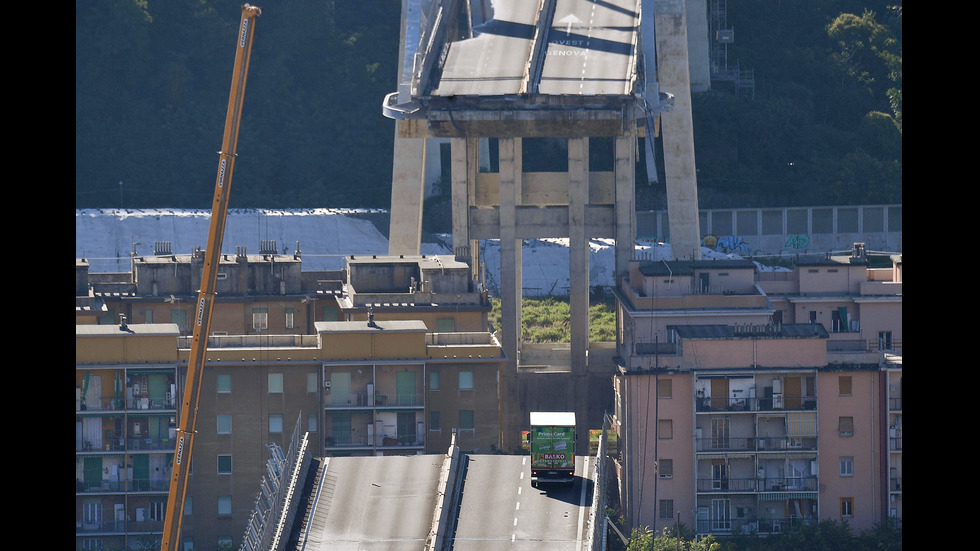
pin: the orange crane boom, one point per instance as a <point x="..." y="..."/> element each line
<point x="202" y="321"/>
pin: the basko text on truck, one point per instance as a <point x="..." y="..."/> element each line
<point x="552" y="444"/>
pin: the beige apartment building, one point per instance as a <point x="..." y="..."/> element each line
<point x="367" y="385"/>
<point x="747" y="406"/>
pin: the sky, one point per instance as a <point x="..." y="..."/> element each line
<point x="106" y="237"/>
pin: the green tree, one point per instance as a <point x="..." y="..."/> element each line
<point x="870" y="53"/>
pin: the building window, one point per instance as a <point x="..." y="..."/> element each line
<point x="311" y="422"/>
<point x="813" y="316"/>
<point x="720" y="432"/>
<point x="311" y="382"/>
<point x="275" y="423"/>
<point x="665" y="429"/>
<point x="224" y="424"/>
<point x="665" y="468"/>
<point x="109" y="318"/>
<point x="224" y="505"/>
<point x="224" y="464"/>
<point x="188" y="543"/>
<point x="847" y="506"/>
<point x="224" y="383"/>
<point x="147" y="316"/>
<point x="180" y="318"/>
<point x="275" y="383"/>
<point x="330" y="313"/>
<point x="846" y="425"/>
<point x="847" y="466"/>
<point x="92" y="543"/>
<point x="225" y="542"/>
<point x="433" y="380"/>
<point x="466" y="380"/>
<point x="260" y="318"/>
<point x="92" y="513"/>
<point x="465" y="419"/>
<point x="434" y="421"/>
<point x="189" y="505"/>
<point x="665" y="388"/>
<point x="158" y="509"/>
<point x="445" y="325"/>
<point x="666" y="508"/>
<point x="290" y="318"/>
<point x="885" y="340"/>
<point x="844" y="385"/>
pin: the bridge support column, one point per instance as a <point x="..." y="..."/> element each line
<point x="407" y="195"/>
<point x="511" y="277"/>
<point x="625" y="174"/>
<point x="677" y="129"/>
<point x="465" y="171"/>
<point x="578" y="251"/>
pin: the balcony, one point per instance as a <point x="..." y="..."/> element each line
<point x="380" y="401"/>
<point x="119" y="486"/>
<point x="764" y="444"/>
<point x="774" y="403"/>
<point x="110" y="527"/>
<point x="130" y="404"/>
<point x="363" y="442"/>
<point x="751" y="525"/>
<point x="781" y="484"/>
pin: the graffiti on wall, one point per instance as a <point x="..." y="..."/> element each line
<point x="798" y="241"/>
<point x="725" y="243"/>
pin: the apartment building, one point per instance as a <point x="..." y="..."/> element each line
<point x="264" y="293"/>
<point x="748" y="407"/>
<point x="361" y="386"/>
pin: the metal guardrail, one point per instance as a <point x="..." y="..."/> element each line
<point x="446" y="507"/>
<point x="597" y="512"/>
<point x="264" y="524"/>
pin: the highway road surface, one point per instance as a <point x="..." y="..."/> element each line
<point x="374" y="504"/>
<point x="579" y="48"/>
<point x="499" y="509"/>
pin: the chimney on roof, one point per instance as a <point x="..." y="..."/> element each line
<point x="371" y="319"/>
<point x="122" y="322"/>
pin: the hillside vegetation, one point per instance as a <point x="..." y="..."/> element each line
<point x="547" y="319"/>
<point x="152" y="81"/>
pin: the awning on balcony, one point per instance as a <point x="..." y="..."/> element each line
<point x="801" y="424"/>
<point x="783" y="496"/>
<point x="116" y="455"/>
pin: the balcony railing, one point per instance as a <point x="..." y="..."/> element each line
<point x="780" y="484"/>
<point x="119" y="526"/>
<point x="381" y="400"/>
<point x="895" y="484"/>
<point x="118" y="404"/>
<point x="133" y="443"/>
<point x="757" y="443"/>
<point x="750" y="525"/>
<point x="775" y="403"/>
<point x="362" y="441"/>
<point x="111" y="486"/>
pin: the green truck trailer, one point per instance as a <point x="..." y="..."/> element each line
<point x="552" y="444"/>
